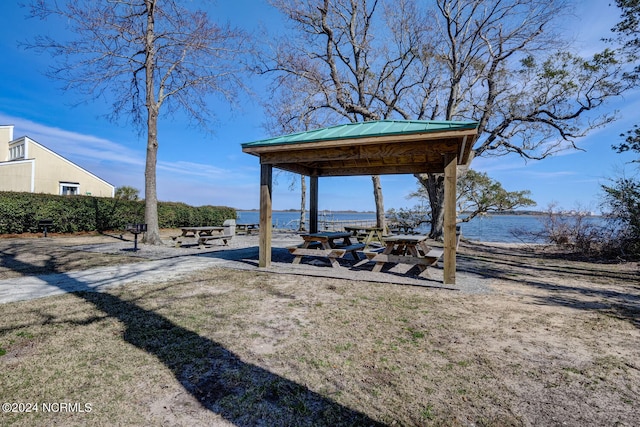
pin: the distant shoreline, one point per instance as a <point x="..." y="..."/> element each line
<point x="298" y="210"/>
<point x="532" y="213"/>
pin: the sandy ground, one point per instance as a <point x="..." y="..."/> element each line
<point x="528" y="336"/>
<point x="34" y="255"/>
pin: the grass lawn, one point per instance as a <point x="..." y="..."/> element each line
<point x="556" y="342"/>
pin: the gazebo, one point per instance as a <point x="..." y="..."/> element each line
<point x="380" y="147"/>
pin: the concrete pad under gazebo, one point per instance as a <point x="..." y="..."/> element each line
<point x="380" y="147"/>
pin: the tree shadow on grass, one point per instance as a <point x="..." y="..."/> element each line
<point x="506" y="263"/>
<point x="242" y="393"/>
<point x="582" y="291"/>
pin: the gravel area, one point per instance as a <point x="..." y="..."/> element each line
<point x="242" y="253"/>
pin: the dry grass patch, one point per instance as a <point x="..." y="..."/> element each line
<point x="226" y="347"/>
<point x="33" y="255"/>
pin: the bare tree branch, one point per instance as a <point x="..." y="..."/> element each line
<point x="499" y="62"/>
<point x="146" y="58"/>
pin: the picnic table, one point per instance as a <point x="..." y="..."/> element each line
<point x="200" y="231"/>
<point x="402" y="228"/>
<point x="245" y="228"/>
<point x="405" y="249"/>
<point x="365" y="234"/>
<point x="326" y="245"/>
<point x="201" y="235"/>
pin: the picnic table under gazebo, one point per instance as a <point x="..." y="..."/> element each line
<point x="367" y="148"/>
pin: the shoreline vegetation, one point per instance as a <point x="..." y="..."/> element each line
<point x="507" y="212"/>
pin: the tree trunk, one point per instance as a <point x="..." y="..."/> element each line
<point x="434" y="183"/>
<point x="303" y="203"/>
<point x="377" y="193"/>
<point x="152" y="236"/>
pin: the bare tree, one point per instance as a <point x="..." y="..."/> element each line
<point x="282" y="118"/>
<point x="303" y="204"/>
<point x="503" y="65"/>
<point x="498" y="62"/>
<point x="145" y="57"/>
<point x="338" y="66"/>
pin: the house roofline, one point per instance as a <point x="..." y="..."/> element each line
<point x="25" y="137"/>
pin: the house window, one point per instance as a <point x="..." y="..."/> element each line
<point x="16" y="152"/>
<point x="69" y="188"/>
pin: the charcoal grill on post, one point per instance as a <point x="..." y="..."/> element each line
<point x="44" y="224"/>
<point x="136" y="229"/>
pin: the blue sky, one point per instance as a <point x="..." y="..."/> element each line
<point x="204" y="169"/>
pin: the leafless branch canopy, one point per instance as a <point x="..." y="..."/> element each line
<point x="146" y="57"/>
<point x="105" y="50"/>
<point x="500" y="62"/>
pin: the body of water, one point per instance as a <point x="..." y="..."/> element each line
<point x="490" y="228"/>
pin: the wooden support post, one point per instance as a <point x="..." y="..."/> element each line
<point x="313" y="204"/>
<point x="450" y="181"/>
<point x="266" y="180"/>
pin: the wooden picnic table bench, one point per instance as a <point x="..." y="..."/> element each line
<point x="401" y="228"/>
<point x="406" y="249"/>
<point x="247" y="228"/>
<point x="202" y="235"/>
<point x="324" y="245"/>
<point x="365" y="235"/>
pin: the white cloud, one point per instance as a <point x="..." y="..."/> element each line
<point x="193" y="169"/>
<point x="73" y="145"/>
<point x="549" y="175"/>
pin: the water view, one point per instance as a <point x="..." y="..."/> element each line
<point x="490" y="228"/>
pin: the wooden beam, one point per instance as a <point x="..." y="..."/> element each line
<point x="361" y="152"/>
<point x="381" y="161"/>
<point x="355" y="170"/>
<point x="298" y="168"/>
<point x="450" y="181"/>
<point x="381" y="170"/>
<point x="266" y="180"/>
<point x="313" y="204"/>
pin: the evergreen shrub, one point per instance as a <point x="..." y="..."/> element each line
<point x="20" y="213"/>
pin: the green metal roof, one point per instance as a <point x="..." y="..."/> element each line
<point x="364" y="130"/>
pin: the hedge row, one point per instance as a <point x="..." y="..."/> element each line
<point x="20" y="213"/>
